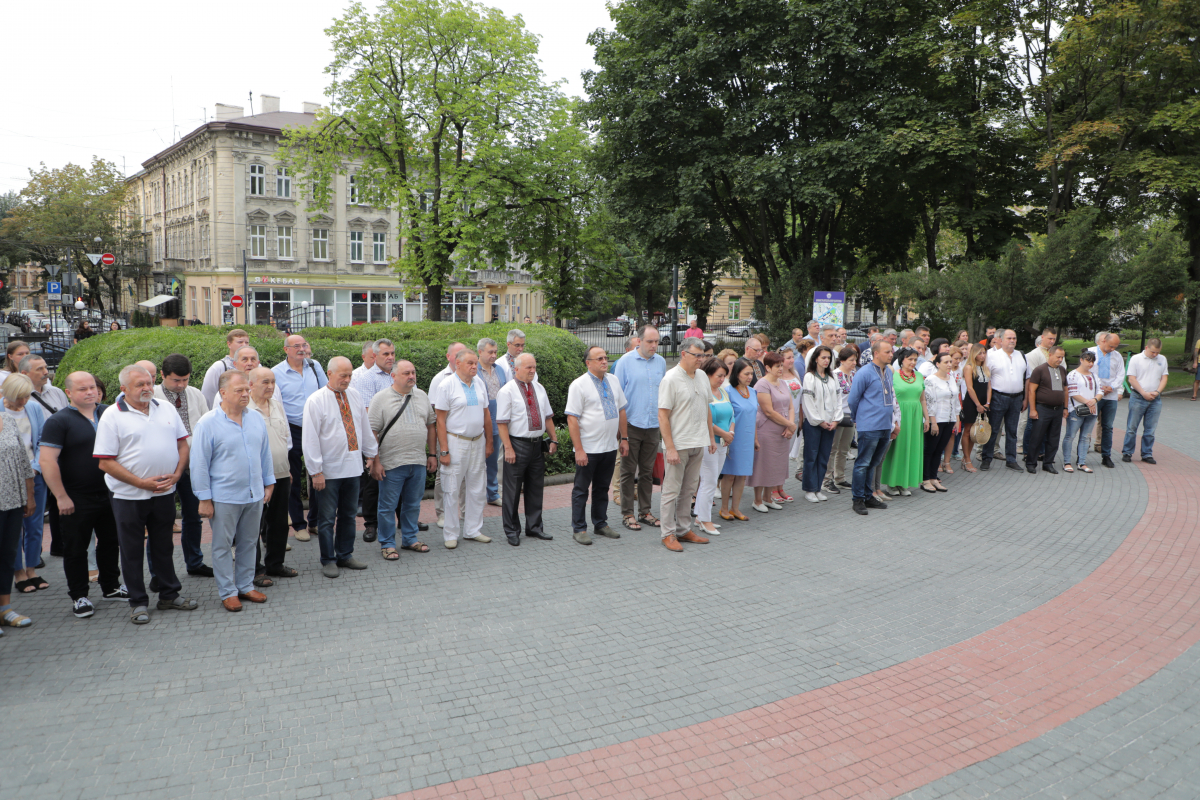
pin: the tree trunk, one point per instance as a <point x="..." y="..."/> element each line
<point x="433" y="294"/>
<point x="1191" y="228"/>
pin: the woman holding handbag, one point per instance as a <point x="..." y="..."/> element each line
<point x="835" y="476"/>
<point x="942" y="410"/>
<point x="822" y="400"/>
<point x="977" y="378"/>
<point x="1082" y="387"/>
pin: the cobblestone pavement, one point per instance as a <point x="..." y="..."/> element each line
<point x="452" y="665"/>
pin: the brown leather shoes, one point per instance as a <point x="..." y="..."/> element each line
<point x="672" y="544"/>
<point x="253" y="597"/>
<point x="232" y="604"/>
<point x="691" y="536"/>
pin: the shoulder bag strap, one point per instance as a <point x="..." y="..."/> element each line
<point x="407" y="400"/>
<point x="45" y="405"/>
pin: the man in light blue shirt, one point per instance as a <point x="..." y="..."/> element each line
<point x="640" y="371"/>
<point x="873" y="405"/>
<point x="296" y="379"/>
<point x="233" y="475"/>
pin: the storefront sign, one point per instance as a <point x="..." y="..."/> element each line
<point x="275" y="280"/>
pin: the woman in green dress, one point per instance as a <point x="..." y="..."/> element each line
<point x="903" y="467"/>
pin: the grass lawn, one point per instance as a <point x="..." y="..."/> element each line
<point x="1174" y="349"/>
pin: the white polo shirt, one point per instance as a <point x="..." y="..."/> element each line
<point x="598" y="410"/>
<point x="437" y="380"/>
<point x="464" y="406"/>
<point x="145" y="444"/>
<point x="511" y="408"/>
<point x="1148" y="371"/>
<point x="1008" y="374"/>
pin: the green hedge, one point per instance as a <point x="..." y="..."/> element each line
<point x="559" y="353"/>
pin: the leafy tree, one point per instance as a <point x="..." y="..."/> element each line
<point x="443" y="104"/>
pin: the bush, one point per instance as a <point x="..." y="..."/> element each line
<point x="559" y="353"/>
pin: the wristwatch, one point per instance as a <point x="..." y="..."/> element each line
<point x="443" y="452"/>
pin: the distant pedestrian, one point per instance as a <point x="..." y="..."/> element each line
<point x="525" y="420"/>
<point x="14" y="353"/>
<point x="1147" y="379"/>
<point x="596" y="419"/>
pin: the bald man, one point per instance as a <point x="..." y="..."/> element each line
<point x="451" y="355"/>
<point x="298" y="378"/>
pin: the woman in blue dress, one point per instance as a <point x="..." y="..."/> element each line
<point x="739" y="463"/>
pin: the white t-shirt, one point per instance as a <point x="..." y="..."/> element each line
<point x="1008" y="374"/>
<point x="145" y="444"/>
<point x="464" y="407"/>
<point x="511" y="408"/>
<point x="1086" y="386"/>
<point x="598" y="409"/>
<point x="1149" y="372"/>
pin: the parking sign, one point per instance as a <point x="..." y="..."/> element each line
<point x="54" y="290"/>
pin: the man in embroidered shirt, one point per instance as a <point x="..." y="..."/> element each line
<point x="233" y="476"/>
<point x="1110" y="373"/>
<point x="143" y="450"/>
<point x="1007" y="367"/>
<point x="234" y="340"/>
<point x="189" y="403"/>
<point x="463" y="419"/>
<point x="367" y="383"/>
<point x="495" y="375"/>
<point x="524" y="414"/>
<point x="685" y="419"/>
<point x="438" y="497"/>
<point x="596" y="419"/>
<point x="515" y="341"/>
<point x="337" y="436"/>
<point x="640" y="372"/>
<point x="1147" y="379"/>
<point x="298" y="378"/>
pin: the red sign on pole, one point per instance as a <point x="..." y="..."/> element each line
<point x="236" y="301"/>
<point x="108" y="259"/>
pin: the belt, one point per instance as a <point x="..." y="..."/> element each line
<point x="525" y="438"/>
<point x="464" y="438"/>
<point x="1008" y="394"/>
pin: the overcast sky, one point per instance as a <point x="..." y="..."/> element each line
<point x="124" y="80"/>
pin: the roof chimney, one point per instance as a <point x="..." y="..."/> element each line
<point x="270" y="103"/>
<point x="310" y="108"/>
<point x="225" y="112"/>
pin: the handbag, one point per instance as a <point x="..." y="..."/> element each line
<point x="846" y="422"/>
<point x="981" y="431"/>
<point x="660" y="470"/>
<point x="1082" y="411"/>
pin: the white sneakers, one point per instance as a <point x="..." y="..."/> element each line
<point x="822" y="496"/>
<point x="812" y="497"/>
<point x="774" y="505"/>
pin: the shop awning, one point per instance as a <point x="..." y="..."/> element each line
<point x="156" y="301"/>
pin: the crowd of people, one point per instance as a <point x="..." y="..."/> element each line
<point x="239" y="450"/>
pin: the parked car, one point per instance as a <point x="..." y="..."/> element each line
<point x="617" y="327"/>
<point x="743" y="328"/>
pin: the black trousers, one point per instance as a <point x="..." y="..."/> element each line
<point x="92" y="512"/>
<point x="1047" y="431"/>
<point x="597" y="475"/>
<point x="145" y="526"/>
<point x="296" y="503"/>
<point x="935" y="446"/>
<point x="273" y="529"/>
<point x="57" y="540"/>
<point x="368" y="498"/>
<point x="524" y="477"/>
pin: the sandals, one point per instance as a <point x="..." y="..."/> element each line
<point x="39" y="582"/>
<point x="26" y="587"/>
<point x="284" y="572"/>
<point x="946" y="468"/>
<point x="416" y="547"/>
<point x="648" y="519"/>
<point x="969" y="467"/>
<point x="12" y="619"/>
<point x="140" y="616"/>
<point x="262" y="581"/>
<point x="389" y="554"/>
<point x="1068" y="468"/>
<point x="1084" y="468"/>
<point x="631" y="523"/>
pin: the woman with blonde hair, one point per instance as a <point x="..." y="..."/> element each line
<point x="727" y="357"/>
<point x="16" y="504"/>
<point x="977" y="381"/>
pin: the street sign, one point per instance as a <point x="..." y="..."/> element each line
<point x="236" y="301"/>
<point x="94" y="258"/>
<point x="52" y="269"/>
<point x="108" y="259"/>
<point x="829" y="308"/>
<point x="54" y="290"/>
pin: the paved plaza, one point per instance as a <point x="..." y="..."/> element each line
<point x="1019" y="637"/>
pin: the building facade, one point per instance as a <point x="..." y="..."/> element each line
<point x="219" y="198"/>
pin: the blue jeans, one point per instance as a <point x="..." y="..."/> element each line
<point x="31" y="540"/>
<point x="1146" y="413"/>
<point x="1006" y="410"/>
<point x="403" y="486"/>
<point x="871" y="448"/>
<point x="1107" y="410"/>
<point x="337" y="505"/>
<point x="1083" y="426"/>
<point x="817" y="443"/>
<point x="189" y="505"/>
<point x="493" y="471"/>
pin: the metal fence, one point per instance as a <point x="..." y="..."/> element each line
<point x="612" y="334"/>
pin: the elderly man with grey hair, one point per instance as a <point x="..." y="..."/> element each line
<point x="51" y="399"/>
<point x="463" y="420"/>
<point x="142" y="448"/>
<point x="814" y="329"/>
<point x="892" y="336"/>
<point x="516" y="345"/>
<point x="368" y="360"/>
<point x="495" y="375"/>
<point x="369" y="382"/>
<point x="829" y="338"/>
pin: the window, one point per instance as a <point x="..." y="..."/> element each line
<point x="258" y="179"/>
<point x="354" y="189"/>
<point x="378" y="248"/>
<point x="192" y="301"/>
<point x="356" y="246"/>
<point x="283" y="182"/>
<point x="204" y="241"/>
<point x="285" y="241"/>
<point x="258" y="241"/>
<point x="320" y="244"/>
<point x="207" y="305"/>
<point x="735" y="307"/>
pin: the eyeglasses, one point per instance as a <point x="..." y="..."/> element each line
<point x="691" y="353"/>
<point x="601" y="358"/>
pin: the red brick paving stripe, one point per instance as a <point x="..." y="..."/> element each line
<point x="889" y="732"/>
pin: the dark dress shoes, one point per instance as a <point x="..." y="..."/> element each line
<point x="545" y="537"/>
<point x="515" y="541"/>
<point x="1049" y="468"/>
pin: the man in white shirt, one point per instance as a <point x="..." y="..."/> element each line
<point x="463" y="419"/>
<point x="189" y="404"/>
<point x="596" y="419"/>
<point x="1110" y="377"/>
<point x="829" y="337"/>
<point x="1147" y="379"/>
<point x="368" y="361"/>
<point x="336" y="438"/>
<point x="1007" y="366"/>
<point x="524" y="417"/>
<point x="685" y="419"/>
<point x="143" y="450"/>
<point x="234" y="340"/>
<point x="1039" y="355"/>
<point x="367" y="383"/>
<point x="438" y="497"/>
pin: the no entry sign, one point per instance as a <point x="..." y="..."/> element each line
<point x="236" y="301"/>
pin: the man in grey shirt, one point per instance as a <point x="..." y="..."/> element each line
<point x="404" y="421"/>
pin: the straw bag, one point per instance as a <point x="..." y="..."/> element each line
<point x="981" y="431"/>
